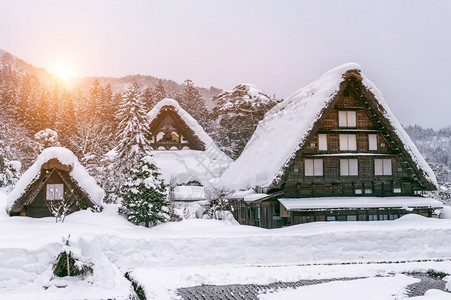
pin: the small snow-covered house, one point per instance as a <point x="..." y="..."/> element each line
<point x="332" y="150"/>
<point x="56" y="175"/>
<point x="183" y="151"/>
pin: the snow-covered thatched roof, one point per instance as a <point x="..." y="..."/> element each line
<point x="65" y="157"/>
<point x="186" y="164"/>
<point x="286" y="127"/>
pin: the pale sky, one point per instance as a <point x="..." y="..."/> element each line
<point x="404" y="47"/>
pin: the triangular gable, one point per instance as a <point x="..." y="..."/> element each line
<point x="169" y="130"/>
<point x="193" y="131"/>
<point x="64" y="163"/>
<point x="286" y="129"/>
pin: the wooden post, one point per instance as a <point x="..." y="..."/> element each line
<point x="67" y="262"/>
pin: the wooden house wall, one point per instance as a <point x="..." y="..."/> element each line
<point x="38" y="208"/>
<point x="331" y="183"/>
<point x="267" y="214"/>
<point x="379" y="214"/>
<point x="271" y="214"/>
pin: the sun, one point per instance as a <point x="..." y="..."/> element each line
<point x="63" y="71"/>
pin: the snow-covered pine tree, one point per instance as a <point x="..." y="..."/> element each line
<point x="194" y="104"/>
<point x="153" y="96"/>
<point x="237" y="113"/>
<point x="144" y="199"/>
<point x="159" y="92"/>
<point x="132" y="130"/>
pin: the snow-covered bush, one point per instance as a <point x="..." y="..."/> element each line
<point x="218" y="202"/>
<point x="144" y="199"/>
<point x="69" y="264"/>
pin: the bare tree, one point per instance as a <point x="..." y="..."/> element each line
<point x="61" y="208"/>
<point x="218" y="198"/>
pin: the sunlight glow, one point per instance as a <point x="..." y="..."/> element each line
<point x="62" y="70"/>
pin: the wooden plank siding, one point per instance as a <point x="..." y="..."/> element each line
<point x="331" y="183"/>
<point x="404" y="179"/>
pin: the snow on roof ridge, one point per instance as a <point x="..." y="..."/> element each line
<point x="65" y="157"/>
<point x="210" y="147"/>
<point x="288" y="123"/>
<point x="402" y="134"/>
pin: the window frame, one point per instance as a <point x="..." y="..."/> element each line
<point x="382" y="169"/>
<point x="372" y="141"/>
<point x="322" y="142"/>
<point x="51" y="189"/>
<point x="345" y="118"/>
<point x="347" y="162"/>
<point x="317" y="164"/>
<point x="344" y="140"/>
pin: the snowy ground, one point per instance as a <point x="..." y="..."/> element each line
<point x="194" y="252"/>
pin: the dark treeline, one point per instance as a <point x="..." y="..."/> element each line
<point x="88" y="123"/>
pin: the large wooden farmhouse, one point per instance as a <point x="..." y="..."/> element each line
<point x="331" y="151"/>
<point x="56" y="176"/>
<point x="185" y="154"/>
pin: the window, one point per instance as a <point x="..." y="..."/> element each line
<point x="358" y="191"/>
<point x="342" y="218"/>
<point x="348" y="142"/>
<point x="313" y="167"/>
<point x="368" y="191"/>
<point x="372" y="142"/>
<point x="330" y="218"/>
<point x="382" y="166"/>
<point x="349" y="167"/>
<point x="397" y="190"/>
<point x="352" y="218"/>
<point x="54" y="192"/>
<point x="257" y="213"/>
<point x="322" y="142"/>
<point x="372" y="217"/>
<point x="347" y="118"/>
<point x="383" y="217"/>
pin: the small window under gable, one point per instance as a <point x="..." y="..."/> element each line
<point x="382" y="166"/>
<point x="349" y="167"/>
<point x="372" y="142"/>
<point x="313" y="167"/>
<point x="348" y="142"/>
<point x="347" y="118"/>
<point x="322" y="142"/>
<point x="54" y="192"/>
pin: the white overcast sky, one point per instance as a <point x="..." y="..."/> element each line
<point x="404" y="47"/>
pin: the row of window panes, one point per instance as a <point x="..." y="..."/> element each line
<point x="368" y="191"/>
<point x="348" y="167"/>
<point x="348" y="142"/>
<point x="380" y="217"/>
